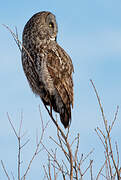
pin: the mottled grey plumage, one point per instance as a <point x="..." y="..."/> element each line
<point x="47" y="66"/>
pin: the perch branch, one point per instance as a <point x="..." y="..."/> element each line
<point x="66" y="141"/>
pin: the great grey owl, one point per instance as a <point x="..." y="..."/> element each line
<point x="47" y="66"/>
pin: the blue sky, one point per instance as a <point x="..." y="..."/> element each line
<point x="90" y="31"/>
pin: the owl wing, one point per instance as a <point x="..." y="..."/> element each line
<point x="60" y="67"/>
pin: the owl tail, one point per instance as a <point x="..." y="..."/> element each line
<point x="65" y="117"/>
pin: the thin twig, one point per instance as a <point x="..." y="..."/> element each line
<point x="100" y="138"/>
<point x="19" y="143"/>
<point x="117" y="154"/>
<point x="91" y="172"/>
<point x="114" y="163"/>
<point x="19" y="157"/>
<point x="49" y="167"/>
<point x="55" y="141"/>
<point x="61" y="145"/>
<point x="106" y="166"/>
<point x="12" y="125"/>
<point x="91" y="161"/>
<point x="46" y="172"/>
<point x="115" y="117"/>
<point x="100" y="170"/>
<point x="54" y="165"/>
<point x="100" y="105"/>
<point x="18" y="42"/>
<point x="87" y="155"/>
<point x="5" y="170"/>
<point x="12" y="176"/>
<point x="67" y="171"/>
<point x="75" y="158"/>
<point x="20" y="124"/>
<point x="74" y="140"/>
<point x="36" y="151"/>
<point x="25" y="143"/>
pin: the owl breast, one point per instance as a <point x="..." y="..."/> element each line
<point x="37" y="74"/>
<point x="46" y="78"/>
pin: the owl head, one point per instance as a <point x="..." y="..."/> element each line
<point x="43" y="26"/>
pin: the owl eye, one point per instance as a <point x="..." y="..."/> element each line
<point x="51" y="25"/>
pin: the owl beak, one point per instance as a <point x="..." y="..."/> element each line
<point x="53" y="38"/>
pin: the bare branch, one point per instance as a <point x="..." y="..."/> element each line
<point x="25" y="143"/>
<point x="91" y="172"/>
<point x="100" y="105"/>
<point x="18" y="42"/>
<point x="67" y="143"/>
<point x="16" y="39"/>
<point x="5" y="170"/>
<point x="100" y="137"/>
<point x="46" y="172"/>
<point x="36" y="151"/>
<point x="15" y="36"/>
<point x="114" y="163"/>
<point x="55" y="141"/>
<point x="100" y="171"/>
<point x="12" y="126"/>
<point x="107" y="140"/>
<point x="20" y="124"/>
<point x="19" y="157"/>
<point x="117" y="154"/>
<point x="49" y="166"/>
<point x="87" y="155"/>
<point x="91" y="161"/>
<point x="12" y="176"/>
<point x="75" y="158"/>
<point x="19" y="142"/>
<point x="114" y="119"/>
